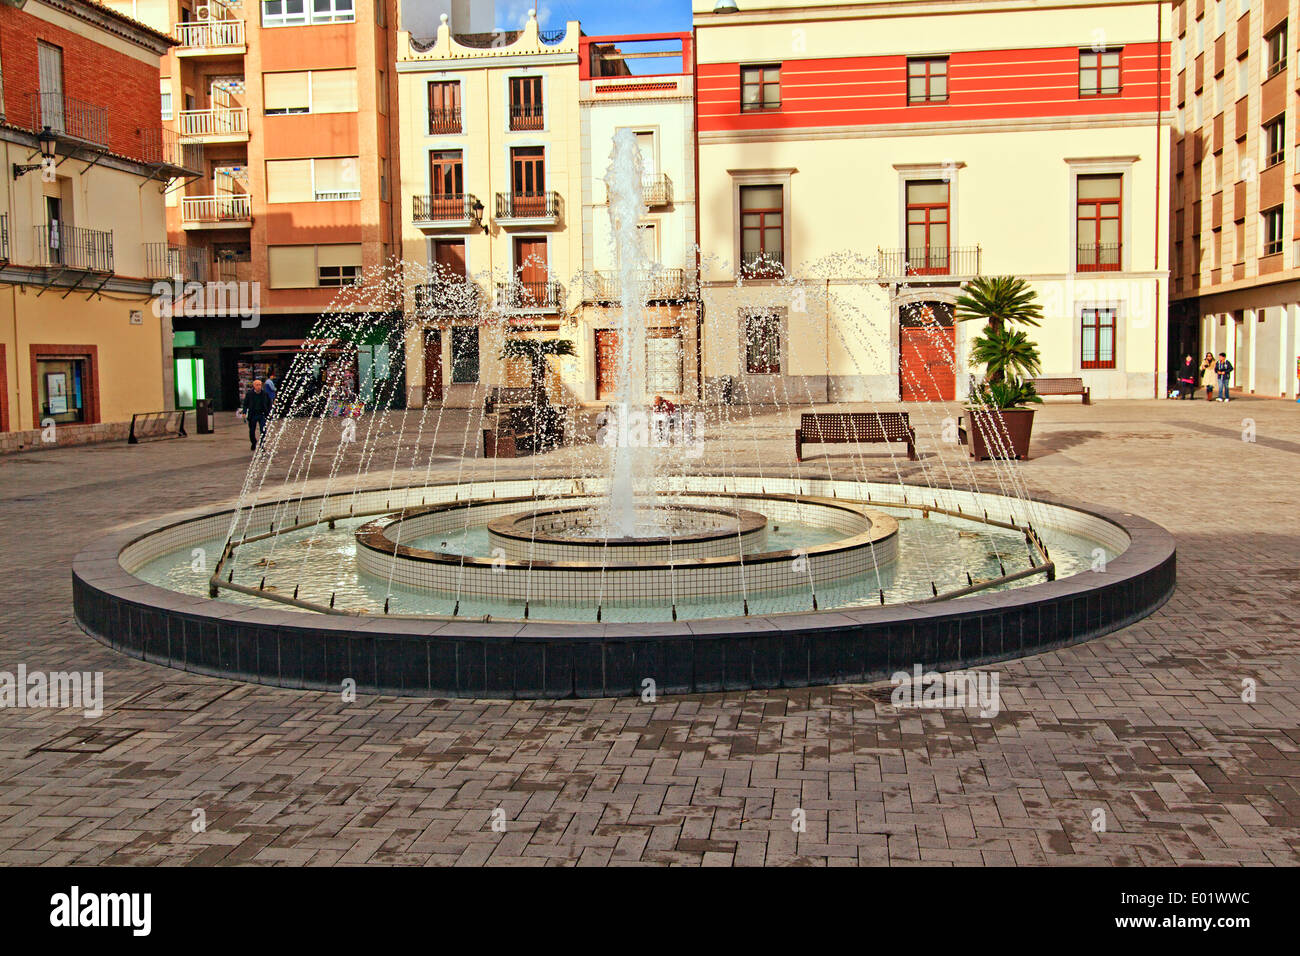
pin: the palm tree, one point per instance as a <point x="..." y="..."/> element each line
<point x="536" y="352"/>
<point x="999" y="301"/>
<point x="1005" y="353"/>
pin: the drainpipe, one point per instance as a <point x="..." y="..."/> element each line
<point x="699" y="278"/>
<point x="1160" y="115"/>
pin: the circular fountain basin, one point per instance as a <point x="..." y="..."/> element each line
<point x="247" y="637"/>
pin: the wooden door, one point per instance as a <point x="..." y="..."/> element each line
<point x="606" y="364"/>
<point x="50" y="69"/>
<point x="528" y="181"/>
<point x="449" y="257"/>
<point x="927" y="346"/>
<point x="531" y="267"/>
<point x="432" y="365"/>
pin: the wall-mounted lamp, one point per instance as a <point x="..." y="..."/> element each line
<point x="46" y="141"/>
<point x="478" y="214"/>
<point x="725" y="6"/>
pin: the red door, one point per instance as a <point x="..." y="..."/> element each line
<point x="530" y="266"/>
<point x="606" y="363"/>
<point x="432" y="365"/>
<point x="449" y="256"/>
<point x="927" y="346"/>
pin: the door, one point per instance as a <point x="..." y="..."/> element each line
<point x="606" y="364"/>
<point x="447" y="185"/>
<point x="531" y="267"/>
<point x="449" y="257"/>
<point x="927" y="347"/>
<point x="54" y="229"/>
<point x="50" y="67"/>
<point x="432" y="365"/>
<point x="927" y="226"/>
<point x="528" y="181"/>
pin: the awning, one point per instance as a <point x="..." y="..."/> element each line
<point x="294" y="346"/>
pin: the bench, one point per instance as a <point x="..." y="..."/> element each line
<point x="156" y="425"/>
<point x="506" y="395"/>
<point x="1062" y="386"/>
<point x="817" y="428"/>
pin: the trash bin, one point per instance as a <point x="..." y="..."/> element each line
<point x="203" y="417"/>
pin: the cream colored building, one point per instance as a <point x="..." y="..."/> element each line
<point x="491" y="203"/>
<point x="860" y="161"/>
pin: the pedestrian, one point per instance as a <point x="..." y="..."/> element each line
<point x="1187" y="376"/>
<point x="256" y="408"/>
<point x="1223" y="369"/>
<point x="1207" y="375"/>
<point x="269" y="385"/>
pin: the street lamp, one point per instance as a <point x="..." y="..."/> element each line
<point x="46" y="141"/>
<point x="725" y="6"/>
<point x="478" y="214"/>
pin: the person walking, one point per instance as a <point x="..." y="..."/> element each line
<point x="1223" y="369"/>
<point x="1187" y="376"/>
<point x="1208" y="375"/>
<point x="269" y="385"/>
<point x="256" y="408"/>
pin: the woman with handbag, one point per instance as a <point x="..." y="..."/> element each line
<point x="1208" y="375"/>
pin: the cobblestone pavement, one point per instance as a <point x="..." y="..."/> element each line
<point x="1147" y="724"/>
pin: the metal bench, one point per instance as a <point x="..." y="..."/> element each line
<point x="817" y="428"/>
<point x="1063" y="386"/>
<point x="156" y="425"/>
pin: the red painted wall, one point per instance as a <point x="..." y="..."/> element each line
<point x="92" y="73"/>
<point x="984" y="84"/>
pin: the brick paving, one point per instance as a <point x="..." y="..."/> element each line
<point x="1147" y="725"/>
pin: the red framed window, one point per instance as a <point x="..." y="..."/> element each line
<point x="760" y="88"/>
<point x="762" y="230"/>
<point x="763" y="343"/>
<point x="444" y="107"/>
<point x="927" y="79"/>
<point x="446" y="184"/>
<point x="928" y="225"/>
<point x="1099" y="72"/>
<point x="1100" y="207"/>
<point x="1098" y="339"/>
<point x="526" y="102"/>
<point x="528" y="181"/>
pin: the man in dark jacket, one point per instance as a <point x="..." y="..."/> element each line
<point x="1223" y="369"/>
<point x="256" y="407"/>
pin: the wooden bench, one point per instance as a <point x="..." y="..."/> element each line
<point x="506" y="395"/>
<point x="817" y="428"/>
<point x="1062" y="386"/>
<point x="156" y="425"/>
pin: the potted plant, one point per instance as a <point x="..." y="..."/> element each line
<point x="547" y="421"/>
<point x="1001" y="419"/>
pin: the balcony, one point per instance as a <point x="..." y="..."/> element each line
<point x="68" y="118"/>
<point x="1099" y="257"/>
<point x="446" y="211"/>
<point x="530" y="116"/>
<point x="165" y="150"/>
<point x="529" y="296"/>
<point x="64" y="247"/>
<point x="762" y="265"/>
<point x="448" y="297"/>
<point x="211" y="38"/>
<point x="218" y="125"/>
<point x="217" y="212"/>
<point x="929" y="261"/>
<point x="657" y="190"/>
<point x="166" y="260"/>
<point x="528" y="208"/>
<point x="336" y="195"/>
<point x="444" y="121"/>
<point x="659" y="285"/>
<point x="4" y="238"/>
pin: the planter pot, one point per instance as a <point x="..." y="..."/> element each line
<point x="1000" y="434"/>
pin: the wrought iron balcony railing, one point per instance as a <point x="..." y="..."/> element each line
<point x="68" y="117"/>
<point x="215" y="209"/>
<point x="213" y="123"/>
<point x="60" y="246"/>
<point x="527" y="116"/>
<point x="1099" y="257"/>
<point x="4" y="238"/>
<point x="210" y="34"/>
<point x="661" y="284"/>
<point x="444" y="121"/>
<point x="540" y="205"/>
<point x="451" y="296"/>
<point x="461" y="208"/>
<point x="930" y="261"/>
<point x="529" y="296"/>
<point x="762" y="265"/>
<point x="167" y="260"/>
<point x="163" y="147"/>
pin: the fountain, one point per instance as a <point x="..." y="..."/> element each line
<point x="687" y="551"/>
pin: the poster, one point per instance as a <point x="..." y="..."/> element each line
<point x="56" y="392"/>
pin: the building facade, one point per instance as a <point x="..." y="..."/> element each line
<point x="859" y="162"/>
<point x="1236" y="234"/>
<point x="292" y="103"/>
<point x="82" y="347"/>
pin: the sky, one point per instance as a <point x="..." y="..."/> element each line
<point x="605" y="17"/>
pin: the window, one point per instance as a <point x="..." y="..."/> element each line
<point x="762" y="230"/>
<point x="446" y="184"/>
<point x="1275" y="43"/>
<point x="312" y="180"/>
<point x="166" y="104"/>
<point x="760" y="88"/>
<point x="1217" y="249"/>
<point x="444" y="107"/>
<point x="292" y="13"/>
<point x="1220" y="16"/>
<point x="317" y="91"/>
<point x="1098" y="339"/>
<point x="63" y="389"/>
<point x="762" y="343"/>
<point x="927" y="80"/>
<point x="1099" y="72"/>
<point x="335" y="178"/>
<point x="464" y="355"/>
<point x="1100" y="199"/>
<point x="1239" y="241"/>
<point x="528" y="175"/>
<point x="383" y="179"/>
<point x="526" y="103"/>
<point x="1243" y="77"/>
<point x="338" y="275"/>
<point x="1273" y="231"/>
<point x="382" y="89"/>
<point x="1275" y="141"/>
<point x="927" y="226"/>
